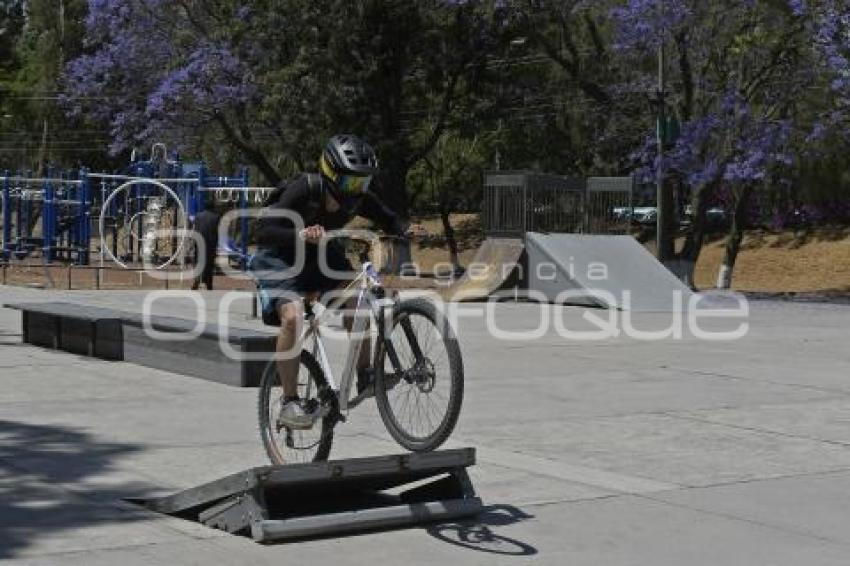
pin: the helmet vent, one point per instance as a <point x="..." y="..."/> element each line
<point x="349" y="155"/>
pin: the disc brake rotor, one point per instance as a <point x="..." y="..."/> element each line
<point x="426" y="376"/>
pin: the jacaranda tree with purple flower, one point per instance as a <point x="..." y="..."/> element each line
<point x="739" y="73"/>
<point x="270" y="79"/>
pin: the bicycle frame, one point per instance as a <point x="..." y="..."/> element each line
<point x="404" y="369"/>
<point x="367" y="307"/>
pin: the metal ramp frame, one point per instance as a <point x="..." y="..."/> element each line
<point x="319" y="499"/>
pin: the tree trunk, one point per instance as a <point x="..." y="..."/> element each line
<point x="451" y="241"/>
<point x="733" y="241"/>
<point x="42" y="152"/>
<point x="689" y="255"/>
<point x="667" y="248"/>
<point x="393" y="188"/>
<point x="393" y="192"/>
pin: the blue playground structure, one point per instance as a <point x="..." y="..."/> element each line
<point x="70" y="216"/>
<point x="47" y="215"/>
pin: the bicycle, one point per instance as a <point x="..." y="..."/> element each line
<point x="405" y="373"/>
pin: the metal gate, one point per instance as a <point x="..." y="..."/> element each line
<point x="516" y="202"/>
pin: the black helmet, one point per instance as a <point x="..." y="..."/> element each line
<point x="348" y="162"/>
<point x="350" y="155"/>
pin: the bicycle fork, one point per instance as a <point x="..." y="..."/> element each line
<point x="399" y="371"/>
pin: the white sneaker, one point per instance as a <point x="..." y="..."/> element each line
<point x="293" y="416"/>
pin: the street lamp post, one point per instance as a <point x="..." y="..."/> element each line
<point x="661" y="236"/>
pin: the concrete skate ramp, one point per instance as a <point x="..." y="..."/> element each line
<point x="495" y="266"/>
<point x="601" y="269"/>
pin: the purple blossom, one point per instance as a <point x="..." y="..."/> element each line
<point x="148" y="81"/>
<point x="244" y="13"/>
<point x="759" y="147"/>
<point x="832" y="40"/>
<point x="798" y="7"/>
<point x="644" y="24"/>
<point x="744" y="136"/>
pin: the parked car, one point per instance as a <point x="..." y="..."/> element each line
<point x="645" y="215"/>
<point x="622" y="214"/>
<point x="715" y="217"/>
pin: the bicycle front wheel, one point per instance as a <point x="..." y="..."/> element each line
<point x="285" y="446"/>
<point x="419" y="376"/>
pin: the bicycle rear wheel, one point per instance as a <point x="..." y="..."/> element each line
<point x="419" y="376"/>
<point x="285" y="446"/>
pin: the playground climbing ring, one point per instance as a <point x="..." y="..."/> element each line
<point x="145" y="224"/>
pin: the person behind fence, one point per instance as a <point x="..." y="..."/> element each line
<point x="325" y="201"/>
<point x="206" y="228"/>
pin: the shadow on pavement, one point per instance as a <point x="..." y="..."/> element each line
<point x="52" y="479"/>
<point x="477" y="534"/>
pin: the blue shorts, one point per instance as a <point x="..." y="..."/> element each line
<point x="276" y="287"/>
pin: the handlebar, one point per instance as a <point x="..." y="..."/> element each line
<point x="379" y="248"/>
<point x="371" y="237"/>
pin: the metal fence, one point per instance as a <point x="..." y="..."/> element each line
<point x="609" y="205"/>
<point x="516" y="202"/>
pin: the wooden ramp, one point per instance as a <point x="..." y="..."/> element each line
<point x="295" y="501"/>
<point x="495" y="267"/>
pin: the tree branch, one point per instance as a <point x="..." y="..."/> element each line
<point x="439" y="128"/>
<point x="783" y="46"/>
<point x="686" y="71"/>
<point x="257" y="157"/>
<point x="590" y="88"/>
<point x="595" y="36"/>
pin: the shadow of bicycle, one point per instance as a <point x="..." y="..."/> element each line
<point x="477" y="534"/>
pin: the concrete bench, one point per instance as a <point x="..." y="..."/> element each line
<point x="87" y="331"/>
<point x="121" y="336"/>
<point x="202" y="356"/>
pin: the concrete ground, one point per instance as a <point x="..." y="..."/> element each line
<point x="601" y="452"/>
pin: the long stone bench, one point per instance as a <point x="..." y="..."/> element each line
<point x="121" y="336"/>
<point x="88" y="331"/>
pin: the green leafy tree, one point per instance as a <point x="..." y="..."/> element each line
<point x="450" y="176"/>
<point x="274" y="78"/>
<point x="41" y="35"/>
<point x="11" y="25"/>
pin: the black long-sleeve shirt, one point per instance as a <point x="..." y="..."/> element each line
<point x="310" y="202"/>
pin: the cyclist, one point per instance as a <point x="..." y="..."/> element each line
<point x="326" y="201"/>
